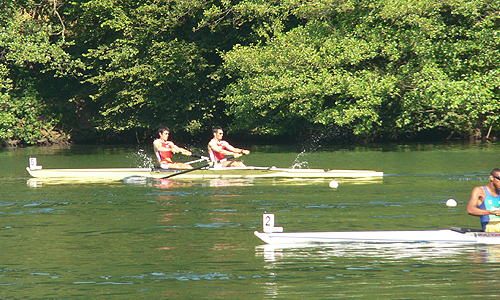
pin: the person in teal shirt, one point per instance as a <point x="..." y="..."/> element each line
<point x="485" y="203"/>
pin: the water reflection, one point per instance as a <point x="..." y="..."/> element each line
<point x="255" y="182"/>
<point x="40" y="182"/>
<point x="388" y="251"/>
<point x="172" y="183"/>
<point x="489" y="253"/>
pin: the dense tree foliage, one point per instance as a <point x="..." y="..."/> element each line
<point x="388" y="69"/>
<point x="379" y="67"/>
<point x="32" y="42"/>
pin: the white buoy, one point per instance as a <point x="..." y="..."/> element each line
<point x="334" y="184"/>
<point x="451" y="202"/>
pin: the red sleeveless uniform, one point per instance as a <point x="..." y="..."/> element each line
<point x="217" y="156"/>
<point x="165" y="156"/>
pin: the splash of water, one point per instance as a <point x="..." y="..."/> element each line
<point x="311" y="142"/>
<point x="141" y="159"/>
<point x="301" y="162"/>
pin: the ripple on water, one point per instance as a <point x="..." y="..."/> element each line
<point x="40" y="211"/>
<point x="216" y="225"/>
<point x="183" y="276"/>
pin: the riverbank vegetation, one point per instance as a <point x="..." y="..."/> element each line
<point x="114" y="70"/>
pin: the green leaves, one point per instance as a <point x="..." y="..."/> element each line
<point x="375" y="68"/>
<point x="396" y="67"/>
<point x="299" y="75"/>
<point x="32" y="45"/>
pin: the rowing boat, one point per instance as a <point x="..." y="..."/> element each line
<point x="275" y="235"/>
<point x="445" y="236"/>
<point x="205" y="173"/>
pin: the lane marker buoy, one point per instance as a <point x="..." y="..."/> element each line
<point x="334" y="184"/>
<point x="451" y="202"/>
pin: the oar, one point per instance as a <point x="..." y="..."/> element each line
<point x="211" y="163"/>
<point x="201" y="158"/>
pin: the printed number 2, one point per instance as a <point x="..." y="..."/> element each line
<point x="268" y="219"/>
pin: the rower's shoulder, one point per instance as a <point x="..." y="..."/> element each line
<point x="215" y="142"/>
<point x="479" y="189"/>
<point x="479" y="192"/>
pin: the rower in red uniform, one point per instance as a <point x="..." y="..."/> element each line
<point x="218" y="148"/>
<point x="163" y="149"/>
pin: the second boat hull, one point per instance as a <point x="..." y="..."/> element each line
<point x="446" y="236"/>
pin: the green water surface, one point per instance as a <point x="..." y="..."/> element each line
<point x="193" y="239"/>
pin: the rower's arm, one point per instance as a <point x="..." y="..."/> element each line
<point x="235" y="150"/>
<point x="477" y="198"/>
<point x="176" y="149"/>
<point x="158" y="147"/>
<point x="216" y="148"/>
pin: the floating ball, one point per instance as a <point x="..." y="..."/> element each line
<point x="451" y="202"/>
<point x="334" y="184"/>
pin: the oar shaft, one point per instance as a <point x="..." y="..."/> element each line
<point x="187" y="171"/>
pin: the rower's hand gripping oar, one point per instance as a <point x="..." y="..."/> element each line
<point x="209" y="164"/>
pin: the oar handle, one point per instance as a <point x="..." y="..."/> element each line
<point x="232" y="156"/>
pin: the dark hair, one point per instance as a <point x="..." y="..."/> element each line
<point x="495" y="170"/>
<point x="216" y="128"/>
<point x="163" y="128"/>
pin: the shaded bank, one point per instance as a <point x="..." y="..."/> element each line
<point x="307" y="139"/>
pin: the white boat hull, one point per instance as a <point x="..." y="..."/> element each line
<point x="210" y="173"/>
<point x="442" y="236"/>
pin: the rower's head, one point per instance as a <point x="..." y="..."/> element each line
<point x="495" y="175"/>
<point x="218" y="132"/>
<point x="163" y="132"/>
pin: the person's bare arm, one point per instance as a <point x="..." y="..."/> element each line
<point x="176" y="149"/>
<point x="235" y="150"/>
<point x="216" y="148"/>
<point x="477" y="198"/>
<point x="158" y="147"/>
